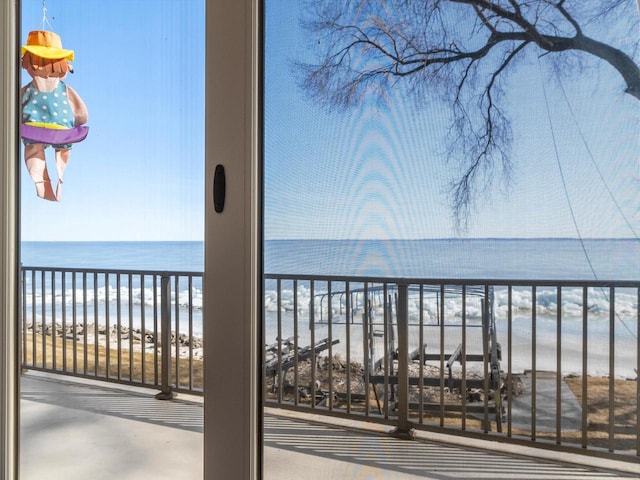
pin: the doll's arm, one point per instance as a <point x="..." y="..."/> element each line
<point x="80" y="113"/>
<point x="22" y="92"/>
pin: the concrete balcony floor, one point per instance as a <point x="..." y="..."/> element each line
<point x="77" y="430"/>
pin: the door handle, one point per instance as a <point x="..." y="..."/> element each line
<point x="219" y="189"/>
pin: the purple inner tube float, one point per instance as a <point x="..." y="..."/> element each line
<point x="51" y="136"/>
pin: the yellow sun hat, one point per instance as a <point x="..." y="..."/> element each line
<point x="46" y="45"/>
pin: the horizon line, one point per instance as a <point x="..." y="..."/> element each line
<point x="337" y="239"/>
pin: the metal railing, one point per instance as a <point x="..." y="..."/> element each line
<point x="543" y="363"/>
<point x="140" y="328"/>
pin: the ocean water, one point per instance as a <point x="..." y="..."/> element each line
<point x="157" y="256"/>
<point x="545" y="259"/>
<point x="498" y="259"/>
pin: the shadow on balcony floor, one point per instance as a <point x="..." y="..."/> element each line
<point x="349" y="453"/>
<point x="77" y="430"/>
<point x="98" y="399"/>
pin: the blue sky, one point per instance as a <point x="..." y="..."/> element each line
<point x="139" y="67"/>
<point x="381" y="171"/>
<point x="374" y="172"/>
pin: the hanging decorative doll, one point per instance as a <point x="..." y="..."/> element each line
<point x="52" y="112"/>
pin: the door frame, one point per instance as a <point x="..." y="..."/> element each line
<point x="233" y="432"/>
<point x="231" y="306"/>
<point x="9" y="241"/>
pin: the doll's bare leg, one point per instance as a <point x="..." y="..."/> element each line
<point x="37" y="167"/>
<point x="62" y="158"/>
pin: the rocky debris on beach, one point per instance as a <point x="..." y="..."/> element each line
<point x="136" y="336"/>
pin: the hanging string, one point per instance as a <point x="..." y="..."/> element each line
<point x="564" y="183"/>
<point x="566" y="194"/>
<point x="45" y="21"/>
<point x="595" y="164"/>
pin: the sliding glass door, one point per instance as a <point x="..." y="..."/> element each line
<point x="146" y="169"/>
<point x="413" y="146"/>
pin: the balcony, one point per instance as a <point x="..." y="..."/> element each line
<point x="77" y="428"/>
<point x="540" y="368"/>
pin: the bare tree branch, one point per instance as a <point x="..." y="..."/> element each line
<point x="367" y="47"/>
<point x="569" y="18"/>
<point x="462" y="199"/>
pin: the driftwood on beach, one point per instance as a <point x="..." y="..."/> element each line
<point x="289" y="357"/>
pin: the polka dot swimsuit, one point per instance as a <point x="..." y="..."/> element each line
<point x="48" y="107"/>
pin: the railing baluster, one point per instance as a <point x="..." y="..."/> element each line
<point x="534" y="302"/>
<point x="296" y="396"/>
<point x="74" y="322"/>
<point x="486" y="427"/>
<point x="387" y="351"/>
<point x="130" y="312"/>
<point x="43" y="313"/>
<point x="279" y="373"/>
<point x="330" y="335"/>
<point x="403" y="429"/>
<point x="190" y="296"/>
<point x="366" y="342"/>
<point x="347" y="326"/>
<point x="165" y="342"/>
<point x="463" y="388"/>
<point x="442" y="312"/>
<point x="156" y="378"/>
<point x="312" y="329"/>
<point x="84" y="322"/>
<point x="510" y="387"/>
<point x="612" y="367"/>
<point x="143" y="331"/>
<point x="33" y="319"/>
<point x="585" y="356"/>
<point x="63" y="286"/>
<point x="177" y="314"/>
<point x="107" y="318"/>
<point x="96" y="326"/>
<point x="119" y="324"/>
<point x="421" y="347"/>
<point x="559" y="365"/>
<point x="53" y="321"/>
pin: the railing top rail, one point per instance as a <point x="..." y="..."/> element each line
<point x="111" y="271"/>
<point x="472" y="282"/>
<point x="496" y="282"/>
